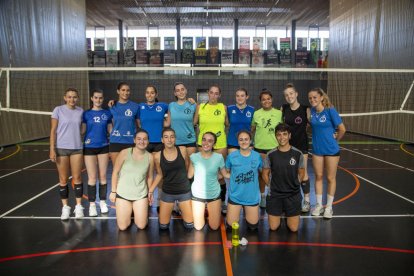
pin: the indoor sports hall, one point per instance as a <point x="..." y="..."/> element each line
<point x="359" y="52"/>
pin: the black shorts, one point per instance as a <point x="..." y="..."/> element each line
<point x="263" y="151"/>
<point x="235" y="203"/>
<point x="67" y="152"/>
<point x="117" y="147"/>
<point x="335" y="154"/>
<point x="205" y="200"/>
<point x="130" y="200"/>
<point x="154" y="147"/>
<point x="290" y="206"/>
<point x="190" y="145"/>
<point x="95" y="151"/>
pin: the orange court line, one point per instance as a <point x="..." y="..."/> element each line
<point x="229" y="269"/>
<point x="357" y="185"/>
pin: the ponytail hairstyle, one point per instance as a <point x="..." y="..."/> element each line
<point x="325" y="101"/>
<point x="290" y="85"/>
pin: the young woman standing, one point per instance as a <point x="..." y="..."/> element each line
<point x="66" y="149"/>
<point x="96" y="124"/>
<point x="327" y="130"/>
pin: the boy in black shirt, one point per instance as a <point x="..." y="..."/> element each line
<point x="285" y="164"/>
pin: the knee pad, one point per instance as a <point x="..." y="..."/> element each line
<point x="79" y="190"/>
<point x="188" y="225"/>
<point x="305" y="186"/>
<point x="103" y="189"/>
<point x="164" y="226"/>
<point x="252" y="227"/>
<point x="91" y="193"/>
<point x="64" y="191"/>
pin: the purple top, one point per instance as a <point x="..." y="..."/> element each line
<point x="68" y="133"/>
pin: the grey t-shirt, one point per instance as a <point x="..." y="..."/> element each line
<point x="68" y="132"/>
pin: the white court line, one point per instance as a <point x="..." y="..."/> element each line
<point x="28" y="167"/>
<point x="393" y="164"/>
<point x="175" y="218"/>
<point x="385" y="189"/>
<point x="29" y="200"/>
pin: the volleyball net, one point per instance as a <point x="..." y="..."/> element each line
<point x="376" y="102"/>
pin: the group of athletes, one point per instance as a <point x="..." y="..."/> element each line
<point x="154" y="145"/>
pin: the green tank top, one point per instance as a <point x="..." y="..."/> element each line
<point x="132" y="182"/>
<point x="212" y="118"/>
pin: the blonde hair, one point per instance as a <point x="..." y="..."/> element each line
<point x="325" y="101"/>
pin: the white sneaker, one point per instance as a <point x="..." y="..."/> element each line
<point x="305" y="206"/>
<point x="65" y="212"/>
<point x="328" y="213"/>
<point x="262" y="203"/>
<point x="104" y="207"/>
<point x="318" y="210"/>
<point x="92" y="210"/>
<point x="79" y="211"/>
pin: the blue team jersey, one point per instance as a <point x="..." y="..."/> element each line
<point x="239" y="119"/>
<point x="244" y="177"/>
<point x="124" y="120"/>
<point x="96" y="122"/>
<point x="182" y="122"/>
<point x="152" y="119"/>
<point x="323" y="127"/>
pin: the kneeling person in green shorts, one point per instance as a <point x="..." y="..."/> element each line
<point x="285" y="164"/>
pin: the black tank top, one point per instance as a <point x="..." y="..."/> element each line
<point x="297" y="121"/>
<point x="175" y="179"/>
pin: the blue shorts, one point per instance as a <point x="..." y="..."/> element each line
<point x="170" y="198"/>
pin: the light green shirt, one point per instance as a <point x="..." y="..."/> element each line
<point x="266" y="122"/>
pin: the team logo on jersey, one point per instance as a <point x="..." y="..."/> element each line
<point x="142" y="107"/>
<point x="253" y="164"/>
<point x="248" y="114"/>
<point x="268" y="123"/>
<point x="244" y="178"/>
<point x="104" y="117"/>
<point x="88" y="141"/>
<point x="322" y="119"/>
<point x="298" y="120"/>
<point x="187" y="111"/>
<point x="292" y="161"/>
<point x="128" y="133"/>
<point x="271" y="130"/>
<point x="217" y="112"/>
<point x="158" y="109"/>
<point x="218" y="134"/>
<point x="128" y="112"/>
<point x="233" y="111"/>
<point x="189" y="135"/>
<point x="116" y="133"/>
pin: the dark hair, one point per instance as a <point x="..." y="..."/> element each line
<point x="97" y="90"/>
<point x="282" y="127"/>
<point x="242" y="89"/>
<point x="265" y="92"/>
<point x="141" y="130"/>
<point x="119" y="86"/>
<point x="325" y="101"/>
<point x="71" y="89"/>
<point x="215" y="85"/>
<point x="178" y="83"/>
<point x="165" y="129"/>
<point x="244" y="131"/>
<point x="212" y="134"/>
<point x="155" y="89"/>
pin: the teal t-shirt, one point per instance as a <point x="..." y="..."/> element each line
<point x="206" y="185"/>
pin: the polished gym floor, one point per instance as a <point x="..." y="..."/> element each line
<point x="371" y="233"/>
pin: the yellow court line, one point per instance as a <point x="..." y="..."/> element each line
<point x="18" y="149"/>
<point x="404" y="150"/>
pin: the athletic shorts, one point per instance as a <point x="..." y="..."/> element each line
<point x="68" y="152"/>
<point x="117" y="147"/>
<point x="335" y="154"/>
<point x="190" y="145"/>
<point x="205" y="200"/>
<point x="95" y="151"/>
<point x="290" y="206"/>
<point x="262" y="151"/>
<point x="235" y="203"/>
<point x="154" y="147"/>
<point x="130" y="200"/>
<point x="170" y="198"/>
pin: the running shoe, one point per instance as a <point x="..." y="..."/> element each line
<point x="318" y="210"/>
<point x="79" y="211"/>
<point x="305" y="206"/>
<point x="103" y="206"/>
<point x="92" y="210"/>
<point x="328" y="213"/>
<point x="65" y="212"/>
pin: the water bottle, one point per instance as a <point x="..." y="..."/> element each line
<point x="235" y="234"/>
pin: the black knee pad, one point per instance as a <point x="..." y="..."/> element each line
<point x="188" y="225"/>
<point x="228" y="227"/>
<point x="164" y="226"/>
<point x="91" y="193"/>
<point x="103" y="190"/>
<point x="252" y="227"/>
<point x="305" y="186"/>
<point x="64" y="191"/>
<point x="79" y="190"/>
<point x="223" y="192"/>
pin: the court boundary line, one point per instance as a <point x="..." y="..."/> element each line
<point x="25" y="168"/>
<point x="404" y="150"/>
<point x="10" y="155"/>
<point x="390" y="163"/>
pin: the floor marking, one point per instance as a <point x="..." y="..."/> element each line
<point x="404" y="150"/>
<point x="368" y="143"/>
<point x="10" y="155"/>
<point x="357" y="185"/>
<point x="385" y="189"/>
<point x="227" y="260"/>
<point x="408" y="169"/>
<point x="1" y="149"/>
<point x="25" y="168"/>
